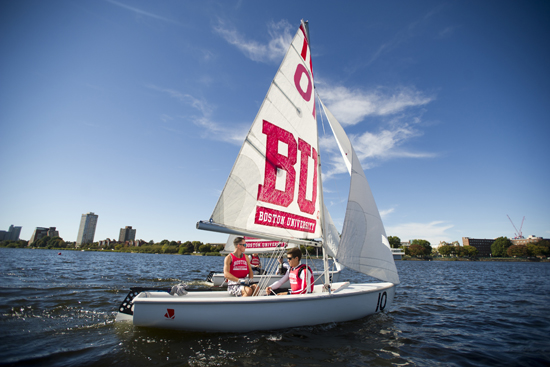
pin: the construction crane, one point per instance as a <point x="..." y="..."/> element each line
<point x="518" y="233"/>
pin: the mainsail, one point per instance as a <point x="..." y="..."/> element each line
<point x="364" y="245"/>
<point x="273" y="186"/>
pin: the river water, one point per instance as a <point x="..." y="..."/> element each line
<point x="59" y="310"/>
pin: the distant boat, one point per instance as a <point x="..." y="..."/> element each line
<point x="274" y="192"/>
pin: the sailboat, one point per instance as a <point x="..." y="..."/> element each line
<point x="274" y="192"/>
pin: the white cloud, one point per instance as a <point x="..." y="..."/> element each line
<point x="351" y="106"/>
<point x="447" y="32"/>
<point x="434" y="232"/>
<point x="280" y="38"/>
<point x="397" y="112"/>
<point x="403" y="35"/>
<point x="386" y="144"/>
<point x="210" y="129"/>
<point x="385" y="213"/>
<point x="215" y="131"/>
<point x="139" y="12"/>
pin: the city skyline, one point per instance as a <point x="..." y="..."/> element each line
<point x="137" y="111"/>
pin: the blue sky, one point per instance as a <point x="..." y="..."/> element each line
<point x="136" y="110"/>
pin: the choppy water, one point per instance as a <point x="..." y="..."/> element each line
<point x="59" y="310"/>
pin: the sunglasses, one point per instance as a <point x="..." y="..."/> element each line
<point x="289" y="257"/>
<point x="242" y="244"/>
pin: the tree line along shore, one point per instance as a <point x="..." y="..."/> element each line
<point x="418" y="249"/>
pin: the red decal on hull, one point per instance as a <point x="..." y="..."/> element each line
<point x="169" y="313"/>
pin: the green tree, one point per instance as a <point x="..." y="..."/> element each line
<point x="427" y="246"/>
<point x="446" y="250"/>
<point x="544" y="247"/>
<point x="471" y="251"/>
<point x="43" y="242"/>
<point x="517" y="251"/>
<point x="537" y="250"/>
<point x="56" y="242"/>
<point x="189" y="247"/>
<point x="500" y="246"/>
<point x="416" y="250"/>
<point x="205" y="248"/>
<point x="197" y="245"/>
<point x="312" y="250"/>
<point x="167" y="248"/>
<point x="395" y="242"/>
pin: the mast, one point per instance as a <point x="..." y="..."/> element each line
<point x="305" y="24"/>
<point x="322" y="220"/>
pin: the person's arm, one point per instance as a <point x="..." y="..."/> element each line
<point x="279" y="282"/>
<point x="226" y="266"/>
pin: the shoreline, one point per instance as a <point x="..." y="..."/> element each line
<point x="501" y="259"/>
<point x="408" y="258"/>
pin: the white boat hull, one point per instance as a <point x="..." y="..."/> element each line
<point x="218" y="279"/>
<point x="216" y="311"/>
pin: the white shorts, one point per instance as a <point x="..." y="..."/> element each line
<point x="235" y="288"/>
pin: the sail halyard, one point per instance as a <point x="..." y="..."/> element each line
<point x="363" y="245"/>
<point x="272" y="189"/>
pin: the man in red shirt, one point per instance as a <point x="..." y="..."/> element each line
<point x="236" y="267"/>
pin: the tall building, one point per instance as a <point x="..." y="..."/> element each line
<point x="41" y="232"/>
<point x="52" y="232"/>
<point x="13" y="233"/>
<point x="86" y="232"/>
<point x="483" y="245"/>
<point x="38" y="233"/>
<point x="127" y="234"/>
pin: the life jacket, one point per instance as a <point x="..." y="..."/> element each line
<point x="282" y="269"/>
<point x="255" y="260"/>
<point x="239" y="267"/>
<point x="297" y="285"/>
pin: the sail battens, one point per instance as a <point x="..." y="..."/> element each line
<point x="298" y="110"/>
<point x="247" y="140"/>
